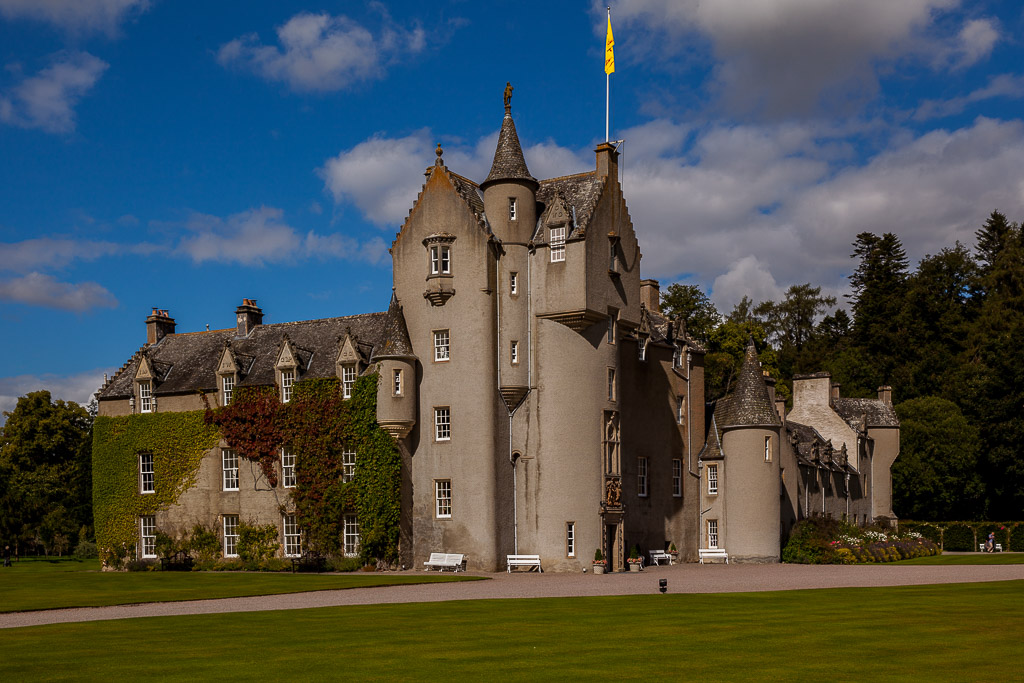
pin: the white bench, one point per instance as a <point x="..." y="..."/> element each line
<point x="658" y="555"/>
<point x="442" y="561"/>
<point x="528" y="561"/>
<point x="712" y="554"/>
<point x="998" y="548"/>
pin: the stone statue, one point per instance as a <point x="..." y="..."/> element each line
<point x="613" y="493"/>
<point x="508" y="95"/>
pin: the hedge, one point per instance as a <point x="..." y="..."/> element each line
<point x="966" y="536"/>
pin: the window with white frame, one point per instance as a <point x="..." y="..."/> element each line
<point x="348" y="466"/>
<point x="712" y="471"/>
<point x="442" y="423"/>
<point x="145" y="397"/>
<point x="287" y="468"/>
<point x="396" y="385"/>
<point x="513" y="352"/>
<point x="229" y="465"/>
<point x="443" y="498"/>
<point x="642" y="348"/>
<point x="227" y="386"/>
<point x="677" y="356"/>
<point x="442" y="343"/>
<point x="292" y="537"/>
<point x="513" y="283"/>
<point x="641" y="477"/>
<point x="680" y="409"/>
<point x="557" y="241"/>
<point x="570" y="539"/>
<point x="230" y="535"/>
<point x="611" y="384"/>
<point x="511" y="208"/>
<point x="712" y="533"/>
<point x="147" y="480"/>
<point x="677" y="477"/>
<point x="440" y="259"/>
<point x="147" y="537"/>
<point x="613" y="257"/>
<point x="351" y="536"/>
<point x="348" y="379"/>
<point x="612" y="315"/>
<point x="767" y="449"/>
<point x="287" y="381"/>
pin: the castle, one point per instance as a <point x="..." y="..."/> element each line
<point x="540" y="401"/>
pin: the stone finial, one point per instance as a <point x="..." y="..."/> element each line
<point x="508" y="97"/>
<point x="438" y="152"/>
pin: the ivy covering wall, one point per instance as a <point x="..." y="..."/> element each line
<point x="177" y="442"/>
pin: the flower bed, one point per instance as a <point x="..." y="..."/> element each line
<point x="827" y="541"/>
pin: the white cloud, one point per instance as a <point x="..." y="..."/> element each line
<point x="47" y="100"/>
<point x="320" y="52"/>
<point x="1003" y="85"/>
<point x="78" y="387"/>
<point x="746" y="277"/>
<point x="75" y="16"/>
<point x="46" y="252"/>
<point x="38" y="289"/>
<point x="975" y="42"/>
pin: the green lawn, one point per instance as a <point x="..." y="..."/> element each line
<point x="933" y="633"/>
<point x="39" y="584"/>
<point x="973" y="558"/>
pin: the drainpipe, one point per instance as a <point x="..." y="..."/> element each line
<point x="689" y="422"/>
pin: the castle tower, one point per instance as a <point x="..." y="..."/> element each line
<point x="397" y="387"/>
<point x="510" y="204"/>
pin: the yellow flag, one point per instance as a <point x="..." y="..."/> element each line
<point x="609" y="53"/>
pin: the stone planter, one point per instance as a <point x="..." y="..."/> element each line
<point x="599" y="569"/>
<point x="634" y="566"/>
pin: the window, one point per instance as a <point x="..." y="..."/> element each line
<point x="557" y="244"/>
<point x="292" y="539"/>
<point x="348" y="380"/>
<point x="641" y="477"/>
<point x="145" y="397"/>
<point x="570" y="539"/>
<point x="227" y="385"/>
<point x="612" y="315"/>
<point x="440" y="259"/>
<point x="230" y="535"/>
<point x="613" y="258"/>
<point x="511" y="208"/>
<point x="680" y="409"/>
<point x="351" y="536"/>
<point x="397" y="383"/>
<point x="287" y="380"/>
<point x="677" y="477"/>
<point x="148" y="535"/>
<point x="442" y="343"/>
<point x="229" y="460"/>
<point x="147" y="482"/>
<point x="642" y="348"/>
<point x="611" y="384"/>
<point x="348" y="466"/>
<point x="287" y="469"/>
<point x="443" y="498"/>
<point x="712" y="533"/>
<point x="442" y="424"/>
<point x="767" y="449"/>
<point x="514" y="353"/>
<point x="712" y="480"/>
<point x="513" y="283"/>
<point x="677" y="357"/>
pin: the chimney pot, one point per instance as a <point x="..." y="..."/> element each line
<point x="158" y="325"/>
<point x="247" y="317"/>
<point x="885" y="394"/>
<point x="835" y="390"/>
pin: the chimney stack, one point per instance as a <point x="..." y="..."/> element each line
<point x="607" y="160"/>
<point x="650" y="295"/>
<point x="248" y="316"/>
<point x="835" y="390"/>
<point x="885" y="394"/>
<point x="780" y="408"/>
<point x="158" y="325"/>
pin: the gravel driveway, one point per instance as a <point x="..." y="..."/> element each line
<point x="683" y="578"/>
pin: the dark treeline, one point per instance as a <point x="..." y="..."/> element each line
<point x="948" y="336"/>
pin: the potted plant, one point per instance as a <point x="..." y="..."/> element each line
<point x="599" y="562"/>
<point x="673" y="552"/>
<point x="636" y="563"/>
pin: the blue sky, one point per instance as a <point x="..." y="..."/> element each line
<point x="186" y="154"/>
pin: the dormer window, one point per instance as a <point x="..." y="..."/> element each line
<point x="440" y="259"/>
<point x="348" y="379"/>
<point x="145" y="397"/>
<point x="511" y="208"/>
<point x="227" y="386"/>
<point x="642" y="348"/>
<point x="557" y="242"/>
<point x="287" y="382"/>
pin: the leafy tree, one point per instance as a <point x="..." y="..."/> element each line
<point x="936" y="477"/>
<point x="790" y="324"/>
<point x="45" y="466"/>
<point x="727" y="348"/>
<point x="691" y="304"/>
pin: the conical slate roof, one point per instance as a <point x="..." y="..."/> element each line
<point x="748" y="404"/>
<point x="509" y="163"/>
<point x="394" y="341"/>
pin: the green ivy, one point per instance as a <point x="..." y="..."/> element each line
<point x="177" y="442"/>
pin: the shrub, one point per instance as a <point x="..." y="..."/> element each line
<point x="959" y="537"/>
<point x="256" y="543"/>
<point x="810" y="542"/>
<point x="203" y="543"/>
<point x="86" y="550"/>
<point x="1016" y="538"/>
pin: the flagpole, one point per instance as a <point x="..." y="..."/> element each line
<point x="607" y="86"/>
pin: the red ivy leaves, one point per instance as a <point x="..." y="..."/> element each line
<point x="252" y="427"/>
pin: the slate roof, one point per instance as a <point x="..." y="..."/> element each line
<point x="470" y="193"/>
<point x="873" y="412"/>
<point x="580" y="191"/>
<point x="805" y="439"/>
<point x="394" y="342"/>
<point x="748" y="404"/>
<point x="191" y="359"/>
<point x="509" y="163"/>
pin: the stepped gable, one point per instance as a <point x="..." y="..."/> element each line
<point x="748" y="404"/>
<point x="191" y="359"/>
<point x="394" y="341"/>
<point x="470" y="193"/>
<point x="509" y="163"/>
<point x="580" y="191"/>
<point x="866" y="412"/>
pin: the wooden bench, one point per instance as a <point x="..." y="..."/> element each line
<point x="658" y="555"/>
<point x="180" y="561"/>
<point x="528" y="561"/>
<point x="713" y="554"/>
<point x="309" y="562"/>
<point x="441" y="561"/>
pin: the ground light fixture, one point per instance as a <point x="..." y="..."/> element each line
<point x="663" y="585"/>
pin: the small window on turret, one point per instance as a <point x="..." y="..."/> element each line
<point x="513" y="283"/>
<point x="511" y="208"/>
<point x="767" y="449"/>
<point x="440" y="259"/>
